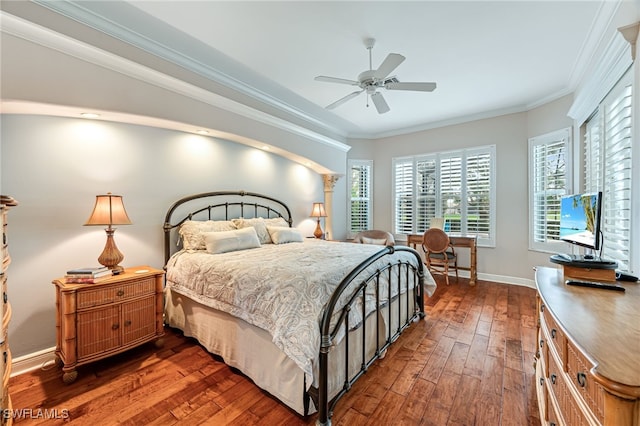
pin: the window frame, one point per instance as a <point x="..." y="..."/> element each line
<point x="411" y="192"/>
<point x="564" y="137"/>
<point x="608" y="167"/>
<point x="351" y="163"/>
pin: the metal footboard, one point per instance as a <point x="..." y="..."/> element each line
<point x="407" y="274"/>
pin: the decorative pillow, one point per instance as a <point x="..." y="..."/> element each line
<point x="261" y="226"/>
<point x="284" y="234"/>
<point x="191" y="232"/>
<point x="225" y="241"/>
<point x="378" y="241"/>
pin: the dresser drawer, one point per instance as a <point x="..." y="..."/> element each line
<point x="115" y="293"/>
<point x="578" y="371"/>
<point x="571" y="413"/>
<point x="558" y="339"/>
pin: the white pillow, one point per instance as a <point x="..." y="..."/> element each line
<point x="261" y="226"/>
<point x="282" y="234"/>
<point x="225" y="241"/>
<point x="192" y="232"/>
<point x="378" y="241"/>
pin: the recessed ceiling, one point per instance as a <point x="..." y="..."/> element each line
<point x="486" y="57"/>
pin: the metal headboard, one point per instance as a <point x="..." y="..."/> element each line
<point x="222" y="205"/>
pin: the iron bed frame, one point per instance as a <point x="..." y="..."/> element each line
<point x="259" y="205"/>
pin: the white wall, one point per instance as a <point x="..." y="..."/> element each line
<point x="510" y="260"/>
<point x="56" y="166"/>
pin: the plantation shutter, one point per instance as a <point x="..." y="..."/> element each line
<point x="548" y="183"/>
<point x="451" y="191"/>
<point x="456" y="185"/>
<point x="608" y="145"/>
<point x="478" y="196"/>
<point x="403" y="187"/>
<point x="426" y="187"/>
<point x="360" y="172"/>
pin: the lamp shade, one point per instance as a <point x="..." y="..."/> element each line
<point x="318" y="210"/>
<point x="109" y="210"/>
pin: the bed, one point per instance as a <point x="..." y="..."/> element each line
<point x="303" y="318"/>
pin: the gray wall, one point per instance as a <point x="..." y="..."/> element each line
<point x="56" y="166"/>
<point x="510" y="260"/>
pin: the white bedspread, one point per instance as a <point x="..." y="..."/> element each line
<point x="279" y="288"/>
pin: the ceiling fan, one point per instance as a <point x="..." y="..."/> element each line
<point x="372" y="80"/>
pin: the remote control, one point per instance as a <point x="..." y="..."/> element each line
<point x="592" y="284"/>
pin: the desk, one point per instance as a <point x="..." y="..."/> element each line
<point x="469" y="241"/>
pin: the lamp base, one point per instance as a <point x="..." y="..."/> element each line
<point x="318" y="232"/>
<point x="117" y="270"/>
<point x="111" y="256"/>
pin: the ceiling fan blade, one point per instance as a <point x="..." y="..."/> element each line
<point x="343" y="100"/>
<point x="390" y="63"/>
<point x="336" y="80"/>
<point x="380" y="103"/>
<point x="420" y="87"/>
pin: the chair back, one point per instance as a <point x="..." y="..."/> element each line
<point x="436" y="222"/>
<point x="374" y="236"/>
<point x="435" y="240"/>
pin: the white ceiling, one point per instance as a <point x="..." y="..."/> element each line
<point x="486" y="57"/>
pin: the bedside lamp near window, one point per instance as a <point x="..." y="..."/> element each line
<point x="317" y="211"/>
<point x="109" y="210"/>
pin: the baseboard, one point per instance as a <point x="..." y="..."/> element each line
<point x="503" y="279"/>
<point x="40" y="359"/>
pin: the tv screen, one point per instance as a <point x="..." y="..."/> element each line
<point x="580" y="219"/>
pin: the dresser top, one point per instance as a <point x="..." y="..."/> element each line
<point x="604" y="324"/>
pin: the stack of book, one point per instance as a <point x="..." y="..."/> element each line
<point x="87" y="275"/>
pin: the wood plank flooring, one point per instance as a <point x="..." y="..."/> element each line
<point x="469" y="363"/>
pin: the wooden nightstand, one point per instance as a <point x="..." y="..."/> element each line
<point x="94" y="321"/>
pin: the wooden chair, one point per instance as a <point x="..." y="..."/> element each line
<point x="375" y="236"/>
<point x="438" y="252"/>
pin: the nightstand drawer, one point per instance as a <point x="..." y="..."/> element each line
<point x="115" y="293"/>
<point x="578" y="368"/>
<point x="556" y="336"/>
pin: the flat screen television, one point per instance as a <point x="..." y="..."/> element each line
<point x="580" y="216"/>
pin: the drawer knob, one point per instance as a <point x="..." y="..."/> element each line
<point x="553" y="379"/>
<point x="541" y="308"/>
<point x="541" y="343"/>
<point x="553" y="333"/>
<point x="120" y="293"/>
<point x="115" y="326"/>
<point x="582" y="379"/>
<point x="541" y="381"/>
<point x="127" y="323"/>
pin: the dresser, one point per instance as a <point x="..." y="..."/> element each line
<point x="95" y="321"/>
<point x="588" y="359"/>
<point x="6" y="203"/>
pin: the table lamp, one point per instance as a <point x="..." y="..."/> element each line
<point x="109" y="210"/>
<point x="317" y="211"/>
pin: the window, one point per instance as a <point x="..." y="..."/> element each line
<point x="548" y="174"/>
<point x="607" y="156"/>
<point x="458" y="186"/>
<point x="360" y="189"/>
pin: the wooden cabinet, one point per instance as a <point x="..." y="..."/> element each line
<point x="6" y="203"/>
<point x="588" y="360"/>
<point x="95" y="321"/>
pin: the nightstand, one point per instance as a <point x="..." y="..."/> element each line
<point x="95" y="321"/>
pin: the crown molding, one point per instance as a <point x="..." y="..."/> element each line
<point x="92" y="19"/>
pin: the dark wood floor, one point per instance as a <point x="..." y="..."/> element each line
<point x="469" y="363"/>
